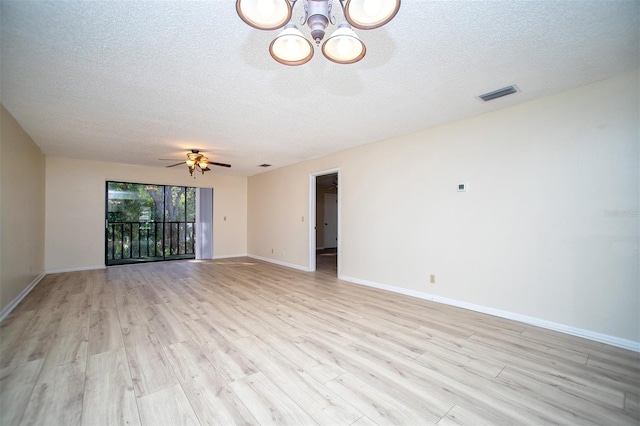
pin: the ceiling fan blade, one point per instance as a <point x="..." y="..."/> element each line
<point x="219" y="164"/>
<point x="177" y="164"/>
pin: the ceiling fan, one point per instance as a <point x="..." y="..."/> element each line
<point x="197" y="161"/>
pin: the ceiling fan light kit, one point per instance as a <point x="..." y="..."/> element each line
<point x="264" y="14"/>
<point x="370" y="14"/>
<point x="344" y="46"/>
<point x="198" y="162"/>
<point x="290" y="47"/>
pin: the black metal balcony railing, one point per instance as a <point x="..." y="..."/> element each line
<point x="140" y="241"/>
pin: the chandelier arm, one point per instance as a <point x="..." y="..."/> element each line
<point x="305" y="16"/>
<point x="331" y="17"/>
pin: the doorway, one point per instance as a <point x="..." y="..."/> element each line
<point x="324" y="253"/>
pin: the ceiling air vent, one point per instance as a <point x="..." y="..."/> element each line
<point x="498" y="93"/>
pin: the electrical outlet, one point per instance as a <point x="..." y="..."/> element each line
<point x="284" y="253"/>
<point x="432" y="279"/>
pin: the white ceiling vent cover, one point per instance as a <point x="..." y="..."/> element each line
<point x="498" y="93"/>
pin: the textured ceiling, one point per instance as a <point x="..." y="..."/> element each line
<point x="133" y="81"/>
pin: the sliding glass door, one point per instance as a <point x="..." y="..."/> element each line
<point x="147" y="223"/>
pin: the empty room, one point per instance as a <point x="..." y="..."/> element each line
<point x="319" y="212"/>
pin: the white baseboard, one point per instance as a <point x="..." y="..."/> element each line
<point x="587" y="334"/>
<point x="228" y="256"/>
<point x="279" y="262"/>
<point x="82" y="268"/>
<point x="11" y="306"/>
<point x="90" y="268"/>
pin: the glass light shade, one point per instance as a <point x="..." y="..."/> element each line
<point x="203" y="163"/>
<point x="191" y="163"/>
<point x="370" y="14"/>
<point x="264" y="14"/>
<point x="344" y="46"/>
<point x="291" y="47"/>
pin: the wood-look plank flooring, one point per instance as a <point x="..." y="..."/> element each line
<point x="239" y="341"/>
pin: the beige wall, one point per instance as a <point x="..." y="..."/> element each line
<point x="549" y="228"/>
<point x="22" y="214"/>
<point x="76" y="204"/>
<point x="278" y="201"/>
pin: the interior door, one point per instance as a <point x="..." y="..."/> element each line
<point x="330" y="220"/>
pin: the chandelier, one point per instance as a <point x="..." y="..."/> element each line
<point x="291" y="47"/>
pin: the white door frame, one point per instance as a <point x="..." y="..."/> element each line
<point x="312" y="217"/>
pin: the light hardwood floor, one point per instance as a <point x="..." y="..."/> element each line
<point x="239" y="341"/>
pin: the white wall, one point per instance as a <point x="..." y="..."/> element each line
<point x="534" y="235"/>
<point x="22" y="216"/>
<point x="75" y="205"/>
